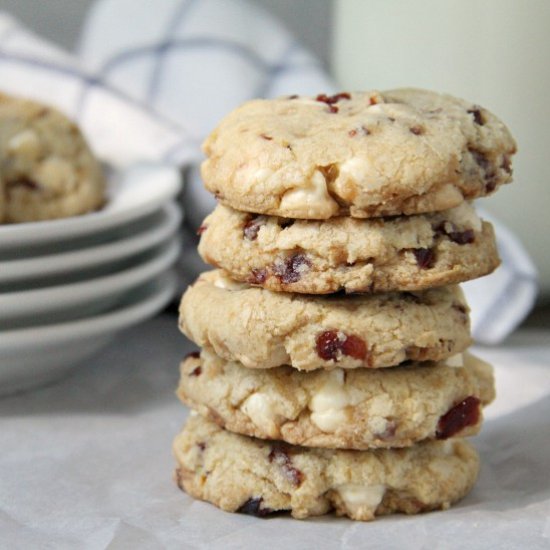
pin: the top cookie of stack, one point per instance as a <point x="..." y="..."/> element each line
<point x="408" y="160"/>
<point x="367" y="154"/>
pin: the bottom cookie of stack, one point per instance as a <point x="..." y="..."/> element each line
<point x="253" y="476"/>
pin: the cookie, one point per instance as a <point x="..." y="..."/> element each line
<point x="264" y="329"/>
<point x="405" y="253"/>
<point x="355" y="409"/>
<point x="251" y="476"/>
<point x="365" y="154"/>
<point x="47" y="170"/>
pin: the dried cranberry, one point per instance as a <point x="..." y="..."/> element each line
<point x="484" y="163"/>
<point x="481" y="158"/>
<point x="490" y="182"/>
<point x="332" y="99"/>
<point x="425" y="257"/>
<point x="462" y="237"/>
<point x="197" y="371"/>
<point x="258" y="276"/>
<point x="194" y="354"/>
<point x="280" y="455"/>
<point x="252" y="227"/>
<point x="253" y="507"/>
<point x="201" y="445"/>
<point x="202" y="229"/>
<point x="462" y="415"/>
<point x="478" y="117"/>
<point x="331" y="344"/>
<point x="416" y="130"/>
<point x="328" y="345"/>
<point x="291" y="269"/>
<point x="450" y="230"/>
<point x="354" y="347"/>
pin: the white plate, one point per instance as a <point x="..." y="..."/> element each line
<point x="72" y="301"/>
<point x="33" y="356"/>
<point x="164" y="225"/>
<point x="138" y="191"/>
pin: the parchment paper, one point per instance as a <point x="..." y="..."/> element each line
<point x="86" y="463"/>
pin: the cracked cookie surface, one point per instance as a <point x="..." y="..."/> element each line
<point x="404" y="253"/>
<point x="264" y="329"/>
<point x="365" y="154"/>
<point x="47" y="170"/>
<point x="354" y="409"/>
<point x="251" y="476"/>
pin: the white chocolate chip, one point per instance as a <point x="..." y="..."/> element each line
<point x="358" y="170"/>
<point x="332" y="395"/>
<point x="360" y="498"/>
<point x="25" y="144"/>
<point x="314" y="198"/>
<point x="329" y="420"/>
<point x="57" y="175"/>
<point x="378" y="424"/>
<point x="328" y="404"/>
<point x="261" y="409"/>
<point x="455" y="361"/>
<point x="222" y="281"/>
<point x="381" y="408"/>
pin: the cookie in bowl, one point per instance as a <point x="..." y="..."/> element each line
<point x="47" y="169"/>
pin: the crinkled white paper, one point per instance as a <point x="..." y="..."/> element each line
<point x="87" y="463"/>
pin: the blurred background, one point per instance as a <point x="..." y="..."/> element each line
<point x="493" y="52"/>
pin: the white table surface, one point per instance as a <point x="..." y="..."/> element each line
<point x="86" y="463"/>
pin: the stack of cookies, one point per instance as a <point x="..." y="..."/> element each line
<point x="333" y="372"/>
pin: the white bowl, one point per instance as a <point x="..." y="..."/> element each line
<point x="64" y="302"/>
<point x="163" y="225"/>
<point x="134" y="193"/>
<point x="34" y="356"/>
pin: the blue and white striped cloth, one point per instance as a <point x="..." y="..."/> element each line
<point x="152" y="78"/>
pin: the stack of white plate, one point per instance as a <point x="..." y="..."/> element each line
<point x="68" y="286"/>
